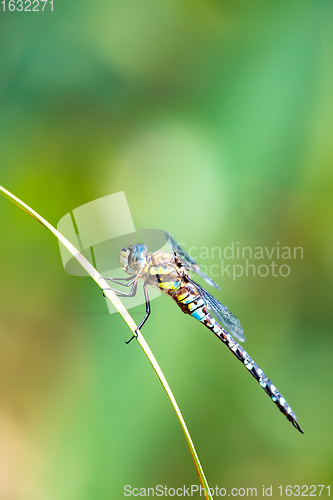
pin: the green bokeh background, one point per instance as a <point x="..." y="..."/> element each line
<point x="215" y="118"/>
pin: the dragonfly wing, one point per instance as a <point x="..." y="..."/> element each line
<point x="189" y="262"/>
<point x="221" y="313"/>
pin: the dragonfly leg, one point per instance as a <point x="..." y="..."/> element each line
<point x="118" y="281"/>
<point x="124" y="294"/>
<point x="144" y="319"/>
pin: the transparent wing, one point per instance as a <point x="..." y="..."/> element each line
<point x="221" y="313"/>
<point x="189" y="263"/>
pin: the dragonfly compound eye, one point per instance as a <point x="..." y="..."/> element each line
<point x="138" y="256"/>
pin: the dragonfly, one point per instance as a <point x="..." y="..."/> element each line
<point x="170" y="273"/>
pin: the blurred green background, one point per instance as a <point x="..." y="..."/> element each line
<point x="215" y="118"/>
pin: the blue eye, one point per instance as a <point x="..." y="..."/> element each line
<point x="139" y="250"/>
<point x="138" y="256"/>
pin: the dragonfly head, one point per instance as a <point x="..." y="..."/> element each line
<point x="133" y="258"/>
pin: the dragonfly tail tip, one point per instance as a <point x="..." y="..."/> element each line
<point x="295" y="424"/>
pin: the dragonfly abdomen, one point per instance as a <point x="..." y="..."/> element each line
<point x="253" y="368"/>
<point x="191" y="302"/>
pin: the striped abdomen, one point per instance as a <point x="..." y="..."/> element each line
<point x="190" y="301"/>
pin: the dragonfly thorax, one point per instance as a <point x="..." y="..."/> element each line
<point x="133" y="258"/>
